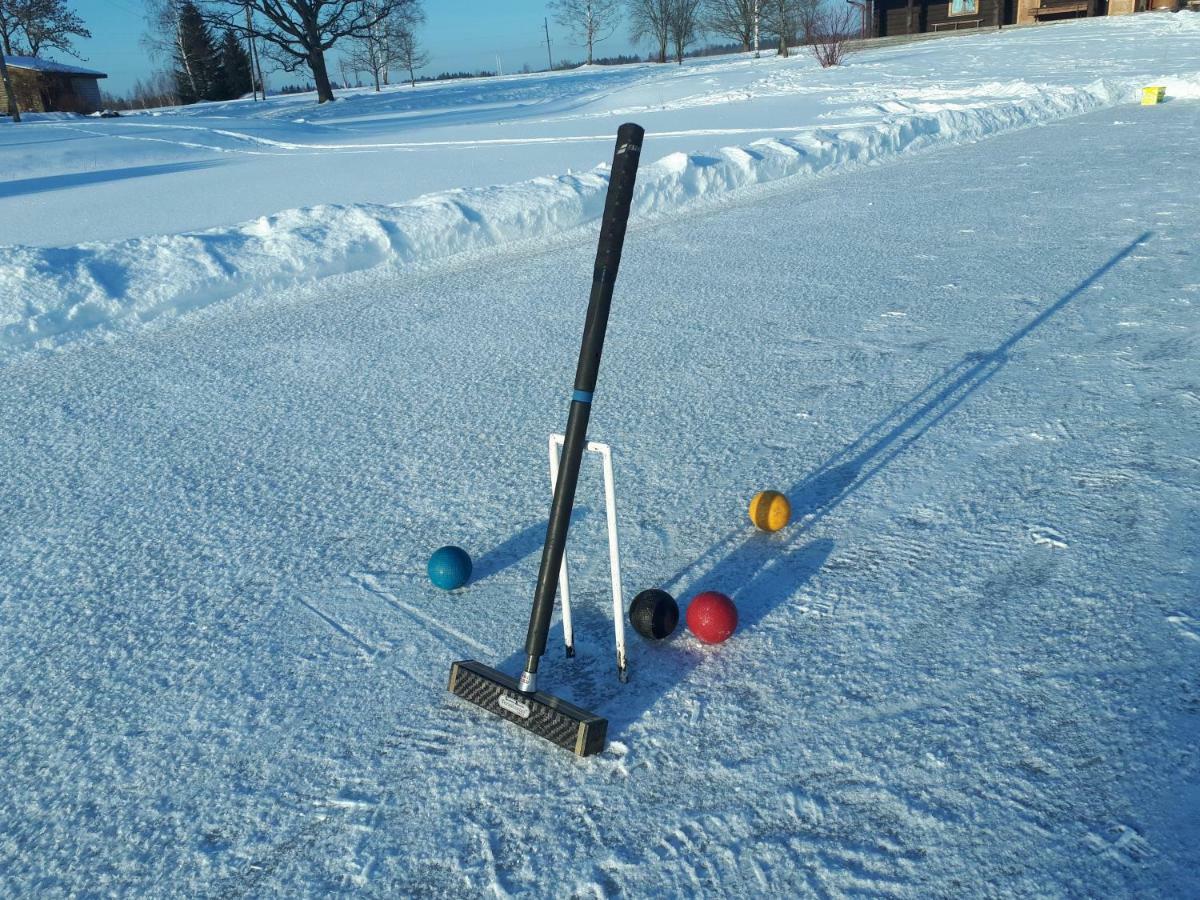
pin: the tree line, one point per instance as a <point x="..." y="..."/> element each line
<point x="670" y="27"/>
<point x="378" y="37"/>
<point x="214" y="45"/>
<point x="373" y="36"/>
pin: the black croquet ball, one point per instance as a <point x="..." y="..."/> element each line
<point x="654" y="614"/>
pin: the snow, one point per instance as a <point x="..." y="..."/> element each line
<point x="218" y="165"/>
<point x="38" y="64"/>
<point x="53" y="295"/>
<point x="968" y="668"/>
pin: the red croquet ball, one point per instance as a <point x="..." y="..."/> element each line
<point x="712" y="617"/>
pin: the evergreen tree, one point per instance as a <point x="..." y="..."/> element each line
<point x="236" y="75"/>
<point x="197" y="65"/>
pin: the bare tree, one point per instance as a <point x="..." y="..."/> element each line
<point x="807" y="14"/>
<point x="164" y="39"/>
<point x="790" y="21"/>
<point x="780" y="19"/>
<point x="8" y="25"/>
<point x="390" y="42"/>
<point x="46" y="24"/>
<point x="734" y="19"/>
<point x="157" y="90"/>
<point x="299" y="32"/>
<point x="589" y="21"/>
<point x="30" y="26"/>
<point x="683" y="25"/>
<point x="831" y="33"/>
<point x="412" y="57"/>
<point x="650" y="20"/>
<point x="371" y="52"/>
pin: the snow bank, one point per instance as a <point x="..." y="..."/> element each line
<point x="1181" y="88"/>
<point x="53" y="295"/>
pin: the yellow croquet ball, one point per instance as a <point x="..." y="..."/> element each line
<point x="770" y="510"/>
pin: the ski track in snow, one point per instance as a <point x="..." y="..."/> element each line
<point x="367" y="147"/>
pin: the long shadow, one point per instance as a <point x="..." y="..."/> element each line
<point x="761" y="571"/>
<point x="54" y="136"/>
<point x="25" y="186"/>
<point x="847" y="470"/>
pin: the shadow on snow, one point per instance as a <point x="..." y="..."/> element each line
<point x="25" y="186"/>
<point x="760" y="571"/>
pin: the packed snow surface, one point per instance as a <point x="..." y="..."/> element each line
<point x="968" y="668"/>
<point x="100" y="215"/>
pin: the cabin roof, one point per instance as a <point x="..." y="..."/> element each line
<point x="48" y="65"/>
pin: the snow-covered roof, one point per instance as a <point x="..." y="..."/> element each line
<point x="49" y="65"/>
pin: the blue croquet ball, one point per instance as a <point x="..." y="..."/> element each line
<point x="449" y="567"/>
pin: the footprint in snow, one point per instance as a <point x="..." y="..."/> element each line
<point x="1120" y="843"/>
<point x="1185" y="626"/>
<point x="1048" y="537"/>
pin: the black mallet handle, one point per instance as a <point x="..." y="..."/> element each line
<point x="608" y="258"/>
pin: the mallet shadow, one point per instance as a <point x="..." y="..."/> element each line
<point x="517" y="547"/>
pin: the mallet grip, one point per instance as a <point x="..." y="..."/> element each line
<point x="608" y="258"/>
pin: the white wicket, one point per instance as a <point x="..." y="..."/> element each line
<point x="614" y="554"/>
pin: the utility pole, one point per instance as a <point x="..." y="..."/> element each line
<point x="254" y="61"/>
<point x="549" y="55"/>
<point x="250" y="41"/>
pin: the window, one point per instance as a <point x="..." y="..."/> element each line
<point x="964" y="7"/>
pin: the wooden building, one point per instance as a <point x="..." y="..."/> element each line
<point x="42" y="85"/>
<point x="899" y="17"/>
<point x="1030" y="12"/>
<point x="894" y="17"/>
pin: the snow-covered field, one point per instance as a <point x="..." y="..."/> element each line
<point x="968" y="669"/>
<point x="417" y="175"/>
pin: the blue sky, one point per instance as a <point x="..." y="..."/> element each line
<point x="459" y="35"/>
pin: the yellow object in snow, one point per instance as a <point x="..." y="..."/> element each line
<point x="770" y="510"/>
<point x="1153" y="95"/>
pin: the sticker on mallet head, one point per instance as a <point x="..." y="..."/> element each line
<point x="516" y="707"/>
